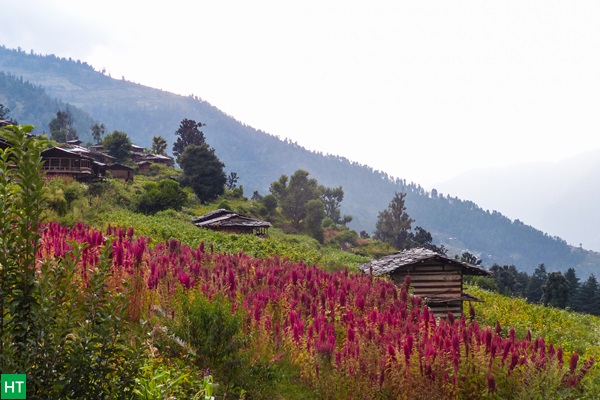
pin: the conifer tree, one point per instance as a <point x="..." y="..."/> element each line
<point x="533" y="292"/>
<point x="555" y="291"/>
<point x="394" y="224"/>
<point x="573" y="279"/>
<point x="587" y="297"/>
<point x="188" y="133"/>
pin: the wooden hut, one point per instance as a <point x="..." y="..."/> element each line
<point x="143" y="166"/>
<point x="120" y="171"/>
<point x="153" y="158"/>
<point x="228" y="221"/>
<point x="434" y="277"/>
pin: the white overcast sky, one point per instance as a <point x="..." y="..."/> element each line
<point x="422" y="90"/>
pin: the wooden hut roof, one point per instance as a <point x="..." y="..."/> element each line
<point x="64" y="153"/>
<point x="406" y="259"/>
<point x="227" y="218"/>
<point x="118" y="167"/>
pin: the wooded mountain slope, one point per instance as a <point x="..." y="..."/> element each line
<point x="260" y="158"/>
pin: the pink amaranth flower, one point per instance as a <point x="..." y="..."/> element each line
<point x="491" y="383"/>
<point x="573" y="362"/>
<point x="559" y="356"/>
<point x="471" y="312"/>
<point x="450" y="318"/>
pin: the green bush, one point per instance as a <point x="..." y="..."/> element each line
<point x="213" y="331"/>
<point x="62" y="192"/>
<point x="164" y="379"/>
<point x="159" y="171"/>
<point x="86" y="348"/>
<point x="164" y="195"/>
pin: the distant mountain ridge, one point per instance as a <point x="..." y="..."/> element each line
<point x="571" y="183"/>
<point x="260" y="158"/>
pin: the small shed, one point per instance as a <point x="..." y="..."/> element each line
<point x="153" y="158"/>
<point x="228" y="221"/>
<point x="143" y="166"/>
<point x="434" y="277"/>
<point x="120" y="171"/>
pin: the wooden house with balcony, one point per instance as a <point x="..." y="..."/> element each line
<point x="62" y="162"/>
<point x="434" y="277"/>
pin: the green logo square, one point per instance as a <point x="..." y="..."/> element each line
<point x="13" y="386"/>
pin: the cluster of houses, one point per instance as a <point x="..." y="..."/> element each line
<point x="88" y="164"/>
<point x="93" y="163"/>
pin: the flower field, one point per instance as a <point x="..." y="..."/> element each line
<point x="351" y="336"/>
<point x="576" y="332"/>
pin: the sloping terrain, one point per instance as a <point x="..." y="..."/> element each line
<point x="260" y="158"/>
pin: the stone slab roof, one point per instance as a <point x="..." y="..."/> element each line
<point x="222" y="217"/>
<point x="415" y="257"/>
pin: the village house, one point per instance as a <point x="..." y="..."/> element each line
<point x="139" y="157"/>
<point x="143" y="166"/>
<point x="94" y="154"/>
<point x="434" y="277"/>
<point x="120" y="171"/>
<point x="62" y="162"/>
<point x="227" y="221"/>
<point x="93" y="163"/>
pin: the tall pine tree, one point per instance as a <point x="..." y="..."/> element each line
<point x="573" y="279"/>
<point x="394" y="224"/>
<point x="587" y="297"/>
<point x="533" y="292"/>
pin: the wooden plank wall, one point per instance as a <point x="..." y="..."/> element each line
<point x="436" y="282"/>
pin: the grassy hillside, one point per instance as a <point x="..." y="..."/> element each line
<point x="113" y="304"/>
<point x="575" y="332"/>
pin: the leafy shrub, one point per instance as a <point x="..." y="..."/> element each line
<point x="163" y="379"/>
<point x="166" y="194"/>
<point x="225" y="205"/>
<point x="113" y="192"/>
<point x="160" y="171"/>
<point x="270" y="204"/>
<point x="62" y="192"/>
<point x="85" y="350"/>
<point x="235" y="193"/>
<point x="213" y="330"/>
<point x="55" y="197"/>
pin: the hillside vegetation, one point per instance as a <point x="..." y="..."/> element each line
<point x="109" y="303"/>
<point x="260" y="158"/>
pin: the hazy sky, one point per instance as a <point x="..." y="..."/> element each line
<point x="422" y="90"/>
